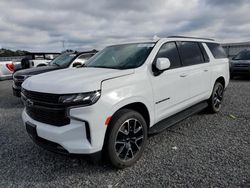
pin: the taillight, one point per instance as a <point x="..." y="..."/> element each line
<point x="10" y="66"/>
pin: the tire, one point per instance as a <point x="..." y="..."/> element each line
<point x="215" y="101"/>
<point x="124" y="146"/>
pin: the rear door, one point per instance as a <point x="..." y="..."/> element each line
<point x="170" y="88"/>
<point x="198" y="73"/>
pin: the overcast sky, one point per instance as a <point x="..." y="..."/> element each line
<point x="42" y="25"/>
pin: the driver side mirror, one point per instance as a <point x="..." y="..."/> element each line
<point x="162" y="64"/>
<point x="77" y="64"/>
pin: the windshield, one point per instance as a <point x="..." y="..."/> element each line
<point x="63" y="60"/>
<point x="124" y="56"/>
<point x="244" y="55"/>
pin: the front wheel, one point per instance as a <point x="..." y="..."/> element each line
<point x="216" y="98"/>
<point x="127" y="138"/>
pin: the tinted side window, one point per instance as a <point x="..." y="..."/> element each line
<point x="169" y="50"/>
<point x="217" y="51"/>
<point x="190" y="53"/>
<point x="85" y="56"/>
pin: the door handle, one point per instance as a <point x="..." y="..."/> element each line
<point x="183" y="75"/>
<point x="205" y="70"/>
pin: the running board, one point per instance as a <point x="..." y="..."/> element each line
<point x="170" y="121"/>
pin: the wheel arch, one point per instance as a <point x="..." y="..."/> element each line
<point x="221" y="79"/>
<point x="140" y="108"/>
<point x="135" y="105"/>
<point x="41" y="65"/>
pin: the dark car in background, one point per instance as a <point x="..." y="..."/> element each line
<point x="240" y="64"/>
<point x="65" y="60"/>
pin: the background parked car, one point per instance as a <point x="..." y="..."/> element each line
<point x="65" y="60"/>
<point x="35" y="60"/>
<point x="240" y="64"/>
<point x="6" y="70"/>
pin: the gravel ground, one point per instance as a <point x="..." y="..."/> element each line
<point x="203" y="151"/>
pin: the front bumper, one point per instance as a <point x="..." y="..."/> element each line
<point x="16" y="91"/>
<point x="73" y="138"/>
<point x="16" y="87"/>
<point x="5" y="77"/>
<point x="51" y="146"/>
<point x="240" y="70"/>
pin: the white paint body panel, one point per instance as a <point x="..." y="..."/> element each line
<point x="39" y="62"/>
<point x="72" y="80"/>
<point x="120" y="88"/>
<point x="5" y="73"/>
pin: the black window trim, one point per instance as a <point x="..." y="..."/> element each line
<point x="84" y="54"/>
<point x="198" y="42"/>
<point x="178" y="50"/>
<point x="155" y="58"/>
<point x="202" y="51"/>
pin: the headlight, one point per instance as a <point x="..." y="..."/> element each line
<point x="26" y="76"/>
<point x="80" y="98"/>
<point x="20" y="78"/>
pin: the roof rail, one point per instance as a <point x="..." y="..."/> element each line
<point x="190" y="37"/>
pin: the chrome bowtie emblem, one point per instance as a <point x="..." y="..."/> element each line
<point x="29" y="103"/>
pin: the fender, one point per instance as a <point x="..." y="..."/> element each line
<point x="135" y="99"/>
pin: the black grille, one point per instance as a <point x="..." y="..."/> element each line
<point x="241" y="71"/>
<point x="41" y="97"/>
<point x="50" y="116"/>
<point x="44" y="107"/>
<point x="242" y="65"/>
<point x="19" y="77"/>
<point x="18" y="83"/>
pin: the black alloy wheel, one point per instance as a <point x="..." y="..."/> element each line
<point x="126" y="138"/>
<point x="215" y="101"/>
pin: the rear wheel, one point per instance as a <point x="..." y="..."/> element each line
<point x="216" y="98"/>
<point x="127" y="138"/>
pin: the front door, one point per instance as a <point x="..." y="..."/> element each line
<point x="170" y="88"/>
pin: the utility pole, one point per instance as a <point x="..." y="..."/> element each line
<point x="63" y="45"/>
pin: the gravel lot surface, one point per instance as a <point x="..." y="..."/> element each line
<point x="202" y="151"/>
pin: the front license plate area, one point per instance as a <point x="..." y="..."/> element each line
<point x="31" y="129"/>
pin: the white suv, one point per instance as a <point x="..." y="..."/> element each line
<point x="124" y="93"/>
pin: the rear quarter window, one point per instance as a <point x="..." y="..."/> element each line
<point x="204" y="53"/>
<point x="217" y="50"/>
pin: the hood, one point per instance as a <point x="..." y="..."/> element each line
<point x="75" y="80"/>
<point x="34" y="71"/>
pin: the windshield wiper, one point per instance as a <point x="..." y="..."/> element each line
<point x="105" y="67"/>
